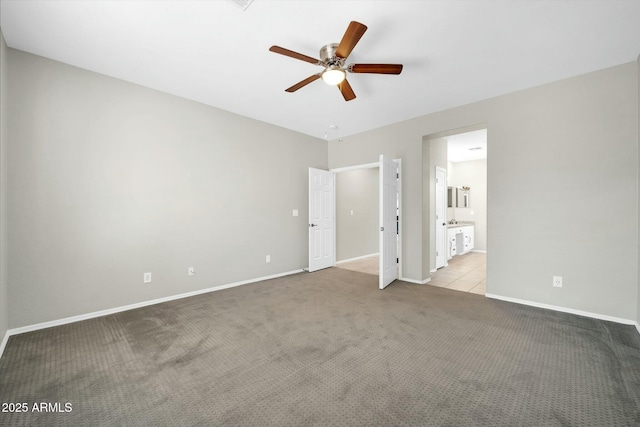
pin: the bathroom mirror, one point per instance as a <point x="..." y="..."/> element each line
<point x="463" y="197"/>
<point x="459" y="197"/>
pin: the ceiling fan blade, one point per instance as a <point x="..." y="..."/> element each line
<point x="304" y="82"/>
<point x="375" y="68"/>
<point x="346" y="90"/>
<point x="350" y="38"/>
<point x="292" y="54"/>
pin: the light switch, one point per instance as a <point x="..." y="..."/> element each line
<point x="295" y="212"/>
<point x="351" y="212"/>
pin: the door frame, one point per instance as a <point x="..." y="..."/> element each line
<point x="443" y="202"/>
<point x="371" y="166"/>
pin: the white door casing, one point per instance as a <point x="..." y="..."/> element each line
<point x="388" y="221"/>
<point x="441" y="217"/>
<point x="321" y="219"/>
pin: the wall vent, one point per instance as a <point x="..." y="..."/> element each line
<point x="244" y="4"/>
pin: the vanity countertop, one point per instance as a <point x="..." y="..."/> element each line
<point x="461" y="224"/>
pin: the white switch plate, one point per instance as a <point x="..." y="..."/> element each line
<point x="557" y="281"/>
<point x="295" y="212"/>
<point x="351" y="212"/>
<point x="147" y="278"/>
<point x="268" y="258"/>
<point x="190" y="271"/>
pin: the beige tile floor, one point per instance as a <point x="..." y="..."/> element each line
<point x="367" y="265"/>
<point x="466" y="273"/>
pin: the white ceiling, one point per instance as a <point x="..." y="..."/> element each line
<point x="467" y="146"/>
<point x="214" y="52"/>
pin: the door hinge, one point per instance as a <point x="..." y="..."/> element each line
<point x="397" y="260"/>
<point x="398" y="175"/>
<point x="381" y="228"/>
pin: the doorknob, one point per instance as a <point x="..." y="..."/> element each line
<point x="313" y="225"/>
<point x="444" y="224"/>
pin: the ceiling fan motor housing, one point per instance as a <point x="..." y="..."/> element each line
<point x="328" y="56"/>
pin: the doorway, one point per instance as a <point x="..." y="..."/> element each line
<point x="357" y="219"/>
<point x="462" y="153"/>
<point x="359" y="236"/>
<point x="441" y="217"/>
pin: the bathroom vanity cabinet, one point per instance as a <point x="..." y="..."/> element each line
<point x="460" y="238"/>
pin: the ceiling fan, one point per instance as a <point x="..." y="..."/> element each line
<point x="333" y="57"/>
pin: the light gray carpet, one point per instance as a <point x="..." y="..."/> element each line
<point x="328" y="348"/>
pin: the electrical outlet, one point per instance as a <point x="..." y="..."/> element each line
<point x="268" y="258"/>
<point x="147" y="278"/>
<point x="190" y="271"/>
<point x="557" y="281"/>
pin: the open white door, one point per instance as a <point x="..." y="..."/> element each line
<point x="388" y="221"/>
<point x="441" y="216"/>
<point x="321" y="219"/>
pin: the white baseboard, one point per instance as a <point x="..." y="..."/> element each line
<point x="566" y="310"/>
<point x="478" y="250"/>
<point x="638" y="327"/>
<point x="101" y="313"/>
<point x="356" y="258"/>
<point x="417" y="282"/>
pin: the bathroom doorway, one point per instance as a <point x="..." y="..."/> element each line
<point x="457" y="261"/>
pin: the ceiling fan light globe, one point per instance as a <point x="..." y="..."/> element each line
<point x="333" y="76"/>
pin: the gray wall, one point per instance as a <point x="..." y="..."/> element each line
<point x="638" y="136"/>
<point x="563" y="158"/>
<point x="108" y="180"/>
<point x="357" y="234"/>
<point x="4" y="292"/>
<point x="473" y="174"/>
